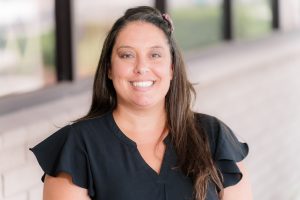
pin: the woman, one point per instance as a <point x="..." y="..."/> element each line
<point x="140" y="139"/>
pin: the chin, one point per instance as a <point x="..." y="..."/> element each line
<point x="145" y="104"/>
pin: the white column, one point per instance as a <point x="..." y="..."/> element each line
<point x="289" y="14"/>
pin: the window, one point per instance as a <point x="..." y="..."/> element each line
<point x="252" y="18"/>
<point x="197" y="23"/>
<point x="26" y="45"/>
<point x="93" y="19"/>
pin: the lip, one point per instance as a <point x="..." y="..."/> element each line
<point x="142" y="80"/>
<point x="142" y="89"/>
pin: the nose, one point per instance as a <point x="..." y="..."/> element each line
<point x="142" y="70"/>
<point x="141" y="66"/>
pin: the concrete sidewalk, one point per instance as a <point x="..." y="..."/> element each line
<point x="256" y="91"/>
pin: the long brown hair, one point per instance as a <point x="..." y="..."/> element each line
<point x="190" y="142"/>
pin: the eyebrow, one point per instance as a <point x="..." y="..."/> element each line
<point x="130" y="47"/>
<point x="124" y="46"/>
<point x="156" y="47"/>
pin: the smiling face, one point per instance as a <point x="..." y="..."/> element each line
<point x="141" y="68"/>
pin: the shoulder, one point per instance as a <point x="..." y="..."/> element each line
<point x="210" y="126"/>
<point x="221" y="137"/>
<point x="208" y="123"/>
<point x="91" y="125"/>
<point x="225" y="148"/>
<point x="88" y="129"/>
<point x="79" y="133"/>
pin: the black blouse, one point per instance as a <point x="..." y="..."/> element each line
<point x="102" y="159"/>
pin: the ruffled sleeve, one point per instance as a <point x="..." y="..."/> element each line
<point x="228" y="151"/>
<point x="64" y="151"/>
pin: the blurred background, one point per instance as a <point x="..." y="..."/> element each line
<point x="242" y="55"/>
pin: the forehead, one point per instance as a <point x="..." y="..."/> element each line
<point x="141" y="34"/>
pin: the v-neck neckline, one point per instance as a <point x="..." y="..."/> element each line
<point x="163" y="165"/>
<point x="123" y="137"/>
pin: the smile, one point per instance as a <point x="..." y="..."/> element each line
<point x="142" y="84"/>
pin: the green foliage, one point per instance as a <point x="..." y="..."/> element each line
<point x="200" y="26"/>
<point x="197" y="26"/>
<point x="252" y="20"/>
<point x="3" y="39"/>
<point x="22" y="42"/>
<point x="48" y="49"/>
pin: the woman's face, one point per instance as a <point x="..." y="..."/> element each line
<point x="141" y="67"/>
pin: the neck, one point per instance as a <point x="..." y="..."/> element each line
<point x="143" y="126"/>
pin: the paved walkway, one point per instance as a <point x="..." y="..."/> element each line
<point x="261" y="104"/>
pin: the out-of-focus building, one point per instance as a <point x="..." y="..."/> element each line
<point x="28" y="33"/>
<point x="49" y="52"/>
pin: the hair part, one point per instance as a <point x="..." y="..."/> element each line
<point x="190" y="141"/>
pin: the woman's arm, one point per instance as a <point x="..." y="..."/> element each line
<point x="240" y="191"/>
<point x="62" y="188"/>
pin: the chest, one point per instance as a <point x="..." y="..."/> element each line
<point x="126" y="172"/>
<point x="122" y="170"/>
<point x="152" y="155"/>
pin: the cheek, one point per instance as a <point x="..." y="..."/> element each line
<point x="119" y="70"/>
<point x="169" y="72"/>
<point x="169" y="69"/>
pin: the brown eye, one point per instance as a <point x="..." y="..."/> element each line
<point x="126" y="55"/>
<point x="155" y="55"/>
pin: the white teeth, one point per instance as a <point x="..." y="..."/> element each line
<point x="142" y="83"/>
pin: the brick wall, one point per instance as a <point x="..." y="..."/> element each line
<point x="19" y="171"/>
